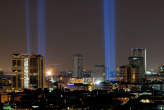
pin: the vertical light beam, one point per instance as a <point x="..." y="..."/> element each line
<point x="41" y="27"/>
<point x="109" y="37"/>
<point x="27" y="18"/>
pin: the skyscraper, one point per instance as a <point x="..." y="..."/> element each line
<point x="138" y="59"/>
<point x="20" y="68"/>
<point x="37" y="71"/>
<point x="78" y="66"/>
<point x="98" y="73"/>
<point x="161" y="72"/>
<point x="28" y="70"/>
<point x="128" y="73"/>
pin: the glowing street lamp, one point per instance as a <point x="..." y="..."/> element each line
<point x="98" y="82"/>
<point x="49" y="73"/>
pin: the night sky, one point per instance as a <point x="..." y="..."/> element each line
<point x="76" y="26"/>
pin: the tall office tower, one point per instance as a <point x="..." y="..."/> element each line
<point x="161" y="72"/>
<point x="127" y="73"/>
<point x="78" y="66"/>
<point x="28" y="70"/>
<point x="161" y="69"/>
<point x="20" y="69"/>
<point x="140" y="52"/>
<point x="138" y="59"/>
<point x="37" y="71"/>
<point x="98" y="73"/>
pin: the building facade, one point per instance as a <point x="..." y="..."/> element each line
<point x="128" y="73"/>
<point x="138" y="59"/>
<point x="98" y="73"/>
<point x="78" y="66"/>
<point x="161" y="72"/>
<point x="37" y="71"/>
<point x="29" y="71"/>
<point x="140" y="53"/>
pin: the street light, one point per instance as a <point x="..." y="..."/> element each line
<point x="49" y="73"/>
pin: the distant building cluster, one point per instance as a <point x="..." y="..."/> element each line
<point x="29" y="72"/>
<point x="29" y="77"/>
<point x="136" y="69"/>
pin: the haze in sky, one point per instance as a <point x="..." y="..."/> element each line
<point x="76" y="26"/>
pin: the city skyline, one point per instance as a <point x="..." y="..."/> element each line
<point x="72" y="31"/>
<point x="81" y="54"/>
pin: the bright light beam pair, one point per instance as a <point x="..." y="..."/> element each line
<point x="41" y="25"/>
<point x="109" y="33"/>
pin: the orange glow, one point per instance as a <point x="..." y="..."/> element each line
<point x="49" y="73"/>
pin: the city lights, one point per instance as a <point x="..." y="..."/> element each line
<point x="98" y="82"/>
<point x="49" y="73"/>
<point x="70" y="84"/>
<point x="82" y="55"/>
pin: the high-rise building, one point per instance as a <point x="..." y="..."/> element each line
<point x="98" y="73"/>
<point x="5" y="81"/>
<point x="140" y="52"/>
<point x="37" y="71"/>
<point x="29" y="71"/>
<point x="161" y="72"/>
<point x="128" y="73"/>
<point x="138" y="59"/>
<point x="78" y="66"/>
<point x="161" y="69"/>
